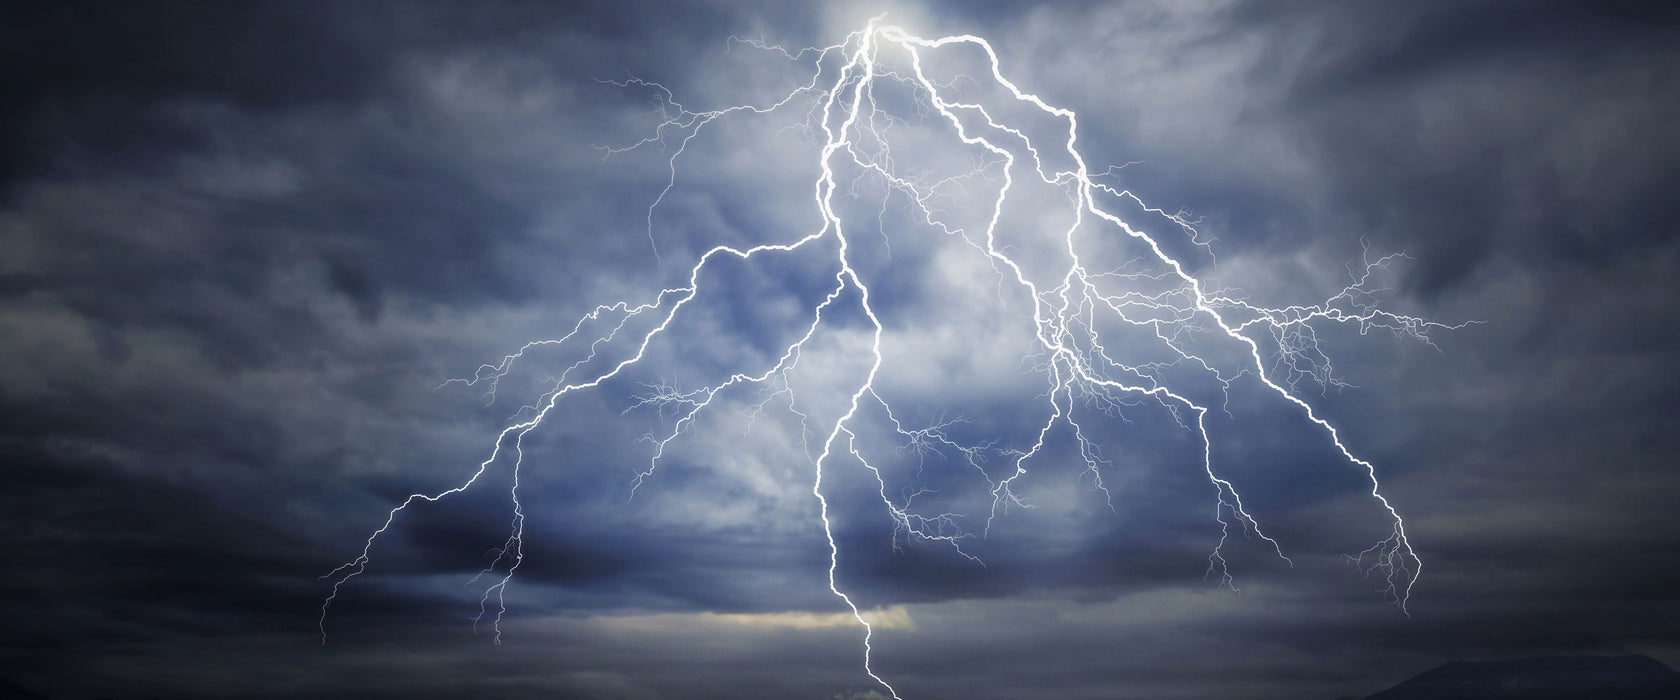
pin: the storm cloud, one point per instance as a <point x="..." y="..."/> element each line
<point x="242" y="247"/>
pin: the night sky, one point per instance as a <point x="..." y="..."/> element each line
<point x="243" y="247"/>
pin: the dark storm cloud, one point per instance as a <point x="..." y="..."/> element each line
<point x="93" y="73"/>
<point x="243" y="243"/>
<point x="1539" y="132"/>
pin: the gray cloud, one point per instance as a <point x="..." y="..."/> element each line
<point x="245" y="245"/>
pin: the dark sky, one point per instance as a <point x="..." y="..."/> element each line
<point x="243" y="245"/>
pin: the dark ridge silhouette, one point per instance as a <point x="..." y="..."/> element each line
<point x="13" y="691"/>
<point x="1630" y="677"/>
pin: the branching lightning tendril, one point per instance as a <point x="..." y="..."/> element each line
<point x="1169" y="301"/>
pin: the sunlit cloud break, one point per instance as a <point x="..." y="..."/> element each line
<point x="1120" y="318"/>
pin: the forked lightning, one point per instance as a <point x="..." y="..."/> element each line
<point x="1160" y="295"/>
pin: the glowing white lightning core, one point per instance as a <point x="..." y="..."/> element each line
<point x="1069" y="352"/>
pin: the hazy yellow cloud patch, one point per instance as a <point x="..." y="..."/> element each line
<point x="896" y="617"/>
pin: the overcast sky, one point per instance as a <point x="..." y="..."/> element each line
<point x="244" y="245"/>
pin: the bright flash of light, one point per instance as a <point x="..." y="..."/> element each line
<point x="1213" y="334"/>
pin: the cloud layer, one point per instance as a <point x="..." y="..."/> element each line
<point x="245" y="245"/>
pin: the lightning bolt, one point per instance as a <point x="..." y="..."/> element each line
<point x="1154" y="293"/>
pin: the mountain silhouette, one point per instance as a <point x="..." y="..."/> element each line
<point x="13" y="691"/>
<point x="1629" y="677"/>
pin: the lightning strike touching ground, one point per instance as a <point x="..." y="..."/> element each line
<point x="862" y="95"/>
